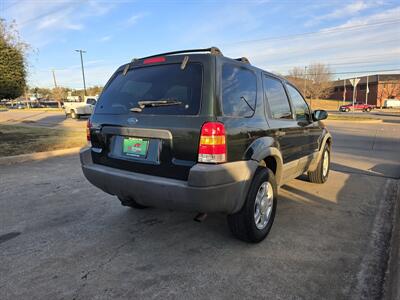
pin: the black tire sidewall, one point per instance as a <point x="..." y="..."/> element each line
<point x="262" y="175"/>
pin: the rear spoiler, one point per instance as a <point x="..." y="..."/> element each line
<point x="212" y="50"/>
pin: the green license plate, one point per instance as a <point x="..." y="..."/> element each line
<point x="135" y="147"/>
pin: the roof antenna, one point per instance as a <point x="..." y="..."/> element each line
<point x="184" y="62"/>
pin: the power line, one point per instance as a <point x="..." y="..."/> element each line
<point x="327" y="31"/>
<point x="361" y="63"/>
<point x="356" y="72"/>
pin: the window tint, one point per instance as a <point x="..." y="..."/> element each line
<point x="300" y="106"/>
<point x="277" y="99"/>
<point x="159" y="82"/>
<point x="239" y="89"/>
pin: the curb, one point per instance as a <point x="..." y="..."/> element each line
<point x="373" y="280"/>
<point x="9" y="160"/>
<point x="391" y="289"/>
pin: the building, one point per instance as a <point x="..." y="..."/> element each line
<point x="380" y="88"/>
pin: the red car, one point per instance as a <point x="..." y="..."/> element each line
<point x="357" y="106"/>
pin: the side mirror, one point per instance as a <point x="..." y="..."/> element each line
<point x="319" y="115"/>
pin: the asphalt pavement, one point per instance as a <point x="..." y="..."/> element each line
<point x="61" y="238"/>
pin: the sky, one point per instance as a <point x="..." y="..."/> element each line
<point x="349" y="36"/>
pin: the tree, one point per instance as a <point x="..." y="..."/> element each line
<point x="320" y="80"/>
<point x="91" y="91"/>
<point x="59" y="94"/>
<point x="12" y="62"/>
<point x="297" y="77"/>
<point x="315" y="84"/>
<point x="40" y="92"/>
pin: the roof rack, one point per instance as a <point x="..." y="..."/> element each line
<point x="243" y="60"/>
<point x="212" y="50"/>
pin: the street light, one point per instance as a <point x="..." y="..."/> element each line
<point x="83" y="71"/>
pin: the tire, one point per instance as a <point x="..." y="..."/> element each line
<point x="320" y="175"/>
<point x="131" y="203"/>
<point x="74" y="115"/>
<point x="347" y="109"/>
<point x="243" y="224"/>
<point x="368" y="109"/>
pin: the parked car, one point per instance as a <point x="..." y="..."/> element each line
<point x="391" y="103"/>
<point x="18" y="105"/>
<point x="194" y="130"/>
<point x="357" y="106"/>
<point x="79" y="109"/>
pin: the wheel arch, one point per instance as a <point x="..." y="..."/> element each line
<point x="326" y="140"/>
<point x="265" y="151"/>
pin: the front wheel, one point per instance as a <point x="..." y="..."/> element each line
<point x="320" y="174"/>
<point x="254" y="221"/>
<point x="74" y="115"/>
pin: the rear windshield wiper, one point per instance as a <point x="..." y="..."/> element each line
<point x="154" y="103"/>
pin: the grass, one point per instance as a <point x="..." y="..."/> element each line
<point x="325" y="104"/>
<point x="349" y="118"/>
<point x="15" y="140"/>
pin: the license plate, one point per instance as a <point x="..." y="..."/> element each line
<point x="135" y="147"/>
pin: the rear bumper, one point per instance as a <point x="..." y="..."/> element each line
<point x="210" y="188"/>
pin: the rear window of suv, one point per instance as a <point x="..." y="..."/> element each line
<point x="153" y="83"/>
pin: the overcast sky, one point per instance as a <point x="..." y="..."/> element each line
<point x="350" y="36"/>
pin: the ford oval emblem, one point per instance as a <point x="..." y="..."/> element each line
<point x="132" y="120"/>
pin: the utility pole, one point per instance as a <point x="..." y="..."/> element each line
<point x="305" y="83"/>
<point x="366" y="92"/>
<point x="344" y="91"/>
<point x="54" y="78"/>
<point x="83" y="71"/>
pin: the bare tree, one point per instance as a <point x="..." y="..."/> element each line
<point x="297" y="77"/>
<point x="319" y="80"/>
<point x="59" y="94"/>
<point x="297" y="72"/>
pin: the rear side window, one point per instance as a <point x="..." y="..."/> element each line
<point x="154" y="83"/>
<point x="239" y="89"/>
<point x="300" y="106"/>
<point x="277" y="99"/>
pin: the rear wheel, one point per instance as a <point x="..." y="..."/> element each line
<point x="368" y="109"/>
<point x="347" y="109"/>
<point x="320" y="174"/>
<point x="131" y="203"/>
<point x="254" y="221"/>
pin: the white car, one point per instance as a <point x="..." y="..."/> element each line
<point x="79" y="109"/>
<point x="391" y="103"/>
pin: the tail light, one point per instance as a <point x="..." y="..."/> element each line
<point x="88" y="126"/>
<point x="154" y="60"/>
<point x="212" y="147"/>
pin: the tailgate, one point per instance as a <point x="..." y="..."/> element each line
<point x="168" y="149"/>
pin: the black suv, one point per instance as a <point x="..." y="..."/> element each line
<point x="196" y="131"/>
